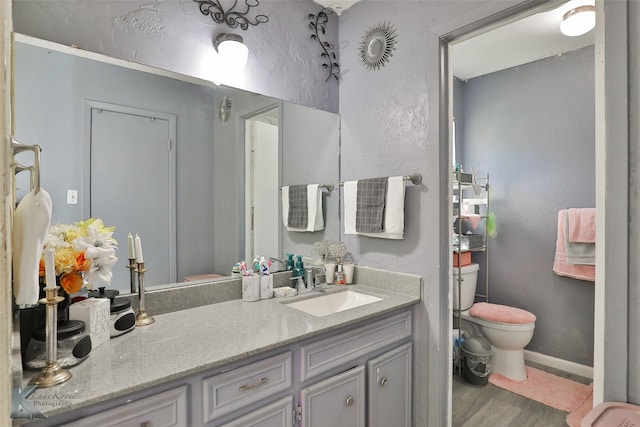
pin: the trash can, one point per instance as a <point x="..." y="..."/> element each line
<point x="476" y="352"/>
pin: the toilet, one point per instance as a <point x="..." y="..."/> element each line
<point x="508" y="329"/>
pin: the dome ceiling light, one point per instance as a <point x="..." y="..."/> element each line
<point x="578" y="21"/>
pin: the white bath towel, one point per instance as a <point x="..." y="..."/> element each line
<point x="31" y="222"/>
<point x="315" y="221"/>
<point x="394" y="209"/>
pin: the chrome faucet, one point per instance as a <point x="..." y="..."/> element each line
<point x="281" y="261"/>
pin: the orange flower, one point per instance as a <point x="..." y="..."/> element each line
<point x="71" y="282"/>
<point x="82" y="264"/>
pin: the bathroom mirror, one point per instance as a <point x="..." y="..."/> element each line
<point x="151" y="152"/>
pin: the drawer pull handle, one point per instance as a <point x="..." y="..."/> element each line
<point x="254" y="385"/>
<point x="349" y="401"/>
<point x="145" y="424"/>
<point x="384" y="381"/>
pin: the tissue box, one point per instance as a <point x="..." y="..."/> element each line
<point x="95" y="313"/>
<point x="461" y="259"/>
<point x="468" y="241"/>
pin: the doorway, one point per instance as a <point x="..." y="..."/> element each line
<point x="479" y="32"/>
<point x="262" y="181"/>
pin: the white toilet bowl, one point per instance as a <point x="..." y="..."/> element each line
<point x="507" y="338"/>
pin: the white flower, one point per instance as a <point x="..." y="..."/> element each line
<point x="95" y="239"/>
<point x="100" y="271"/>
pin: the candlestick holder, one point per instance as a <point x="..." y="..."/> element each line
<point x="132" y="274"/>
<point x="142" y="318"/>
<point x="52" y="374"/>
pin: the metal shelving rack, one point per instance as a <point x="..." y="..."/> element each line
<point x="459" y="188"/>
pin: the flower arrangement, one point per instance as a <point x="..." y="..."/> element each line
<point x="84" y="251"/>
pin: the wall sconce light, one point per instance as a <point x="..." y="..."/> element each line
<point x="232" y="50"/>
<point x="578" y="21"/>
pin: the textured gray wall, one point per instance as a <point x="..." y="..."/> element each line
<point x="172" y="34"/>
<point x="532" y="129"/>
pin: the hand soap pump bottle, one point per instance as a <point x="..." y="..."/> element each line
<point x="289" y="262"/>
<point x="299" y="270"/>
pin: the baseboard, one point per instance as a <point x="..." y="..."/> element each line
<point x="563" y="365"/>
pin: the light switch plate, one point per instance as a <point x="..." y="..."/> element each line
<point x="72" y="197"/>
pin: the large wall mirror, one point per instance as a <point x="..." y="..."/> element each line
<point x="168" y="156"/>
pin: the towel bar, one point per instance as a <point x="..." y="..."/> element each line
<point x="416" y="179"/>
<point x="329" y="187"/>
<point x="34" y="170"/>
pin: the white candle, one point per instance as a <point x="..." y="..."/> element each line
<point x="139" y="257"/>
<point x="49" y="268"/>
<point x="132" y="252"/>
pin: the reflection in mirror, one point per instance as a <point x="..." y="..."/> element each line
<point x="148" y="152"/>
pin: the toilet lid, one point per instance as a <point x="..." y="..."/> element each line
<point x="501" y="313"/>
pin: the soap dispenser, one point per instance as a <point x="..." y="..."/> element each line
<point x="299" y="270"/>
<point x="289" y="262"/>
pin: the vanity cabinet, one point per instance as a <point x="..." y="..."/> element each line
<point x="336" y="401"/>
<point x="230" y="391"/>
<point x="358" y="377"/>
<point x="389" y="388"/>
<point x="166" y="409"/>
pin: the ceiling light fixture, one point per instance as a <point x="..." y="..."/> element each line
<point x="232" y="50"/>
<point x="578" y="21"/>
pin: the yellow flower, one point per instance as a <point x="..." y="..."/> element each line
<point x="64" y="260"/>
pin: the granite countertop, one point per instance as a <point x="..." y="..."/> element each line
<point x="190" y="341"/>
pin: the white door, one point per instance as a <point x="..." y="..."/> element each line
<point x="133" y="187"/>
<point x="263" y="195"/>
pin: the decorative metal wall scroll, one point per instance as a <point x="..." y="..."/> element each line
<point x="318" y="24"/>
<point x="377" y="46"/>
<point x="231" y="17"/>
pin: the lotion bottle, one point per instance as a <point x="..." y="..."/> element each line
<point x="340" y="278"/>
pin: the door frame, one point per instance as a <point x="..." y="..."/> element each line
<point x="85" y="186"/>
<point x="244" y="116"/>
<point x="612" y="147"/>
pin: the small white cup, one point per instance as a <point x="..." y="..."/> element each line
<point x="348" y="272"/>
<point x="266" y="287"/>
<point x="250" y="288"/>
<point x="330" y="270"/>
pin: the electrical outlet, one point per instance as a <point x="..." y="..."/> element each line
<point x="72" y="197"/>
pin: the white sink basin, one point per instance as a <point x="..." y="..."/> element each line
<point x="326" y="304"/>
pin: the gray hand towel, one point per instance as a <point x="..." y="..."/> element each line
<point x="298" y="207"/>
<point x="370" y="202"/>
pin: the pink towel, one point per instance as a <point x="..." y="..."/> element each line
<point x="582" y="225"/>
<point x="560" y="266"/>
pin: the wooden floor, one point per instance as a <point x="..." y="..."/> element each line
<point x="491" y="406"/>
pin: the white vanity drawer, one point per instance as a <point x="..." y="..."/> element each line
<point x="321" y="356"/>
<point x="276" y="414"/>
<point x="232" y="390"/>
<point x="166" y="409"/>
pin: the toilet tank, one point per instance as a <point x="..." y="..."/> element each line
<point x="464" y="292"/>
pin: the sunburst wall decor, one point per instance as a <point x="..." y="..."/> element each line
<point x="377" y="46"/>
